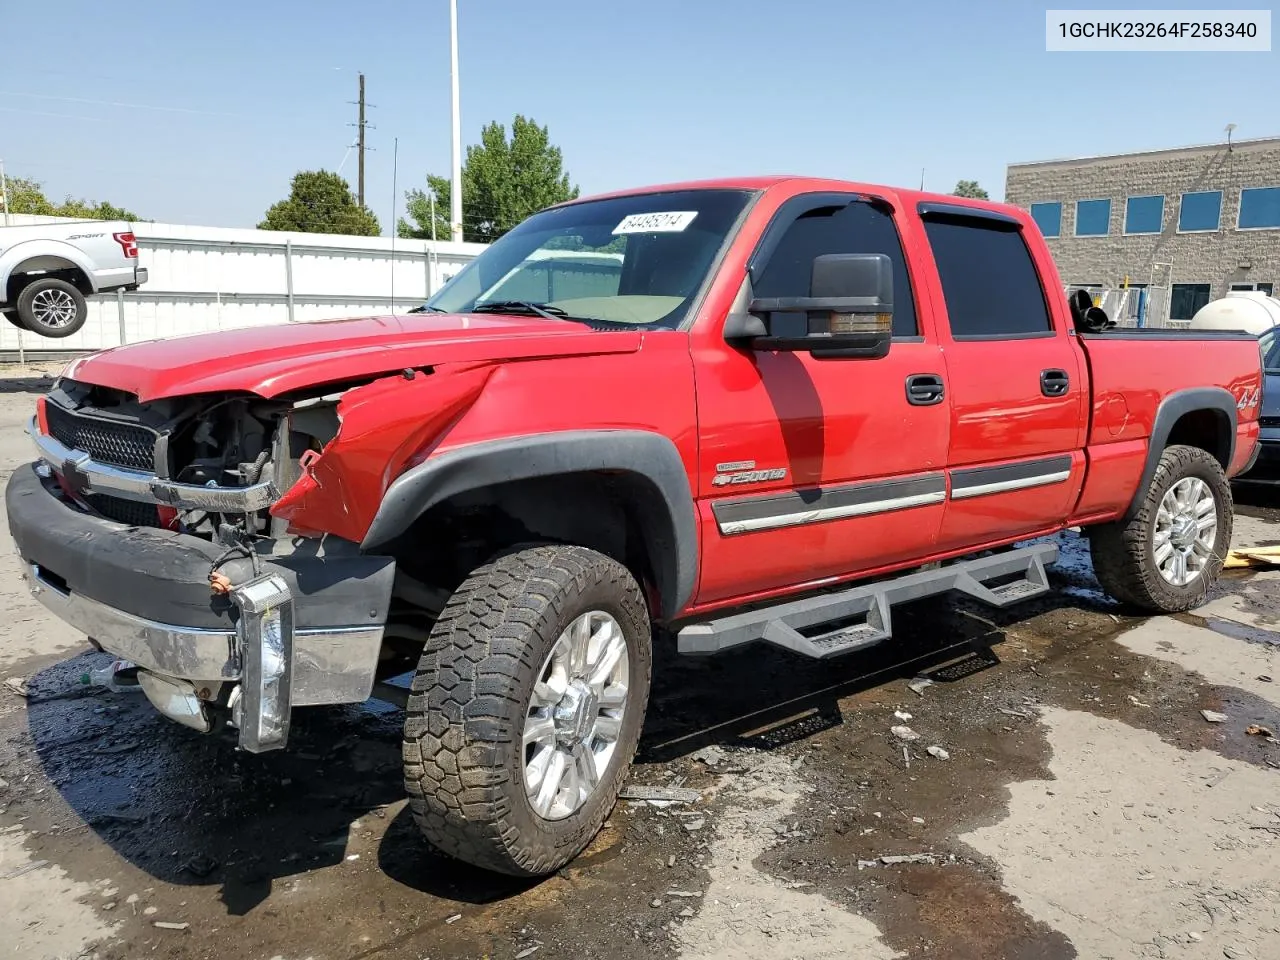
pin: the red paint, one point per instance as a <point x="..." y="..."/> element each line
<point x="826" y="422"/>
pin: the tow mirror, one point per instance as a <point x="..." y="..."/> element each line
<point x="848" y="313"/>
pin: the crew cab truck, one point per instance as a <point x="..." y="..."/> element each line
<point x="46" y="271"/>
<point x="793" y="404"/>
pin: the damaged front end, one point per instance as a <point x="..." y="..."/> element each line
<point x="150" y="528"/>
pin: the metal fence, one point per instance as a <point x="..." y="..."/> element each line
<point x="212" y="278"/>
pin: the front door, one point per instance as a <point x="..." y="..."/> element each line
<point x="812" y="470"/>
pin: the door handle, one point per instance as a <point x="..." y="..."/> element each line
<point x="1054" y="383"/>
<point x="924" y="389"/>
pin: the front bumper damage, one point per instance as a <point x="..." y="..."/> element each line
<point x="300" y="625"/>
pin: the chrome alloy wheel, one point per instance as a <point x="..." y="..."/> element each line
<point x="53" y="308"/>
<point x="575" y="713"/>
<point x="1186" y="528"/>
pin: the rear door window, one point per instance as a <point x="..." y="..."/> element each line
<point x="989" y="281"/>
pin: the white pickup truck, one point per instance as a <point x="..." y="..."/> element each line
<point x="47" y="270"/>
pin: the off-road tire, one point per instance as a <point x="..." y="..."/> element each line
<point x="463" y="733"/>
<point x="27" y="314"/>
<point x="1124" y="553"/>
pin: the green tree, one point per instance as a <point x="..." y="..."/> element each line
<point x="503" y="182"/>
<point x="321" y="202"/>
<point x="970" y="189"/>
<point x="27" y="196"/>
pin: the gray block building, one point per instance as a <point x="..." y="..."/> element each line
<point x="1190" y="223"/>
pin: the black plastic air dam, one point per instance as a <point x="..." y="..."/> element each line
<point x="163" y="575"/>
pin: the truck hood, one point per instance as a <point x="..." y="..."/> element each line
<point x="280" y="358"/>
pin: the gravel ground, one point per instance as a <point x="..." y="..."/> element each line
<point x="1084" y="806"/>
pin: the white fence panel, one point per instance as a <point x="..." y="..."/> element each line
<point x="212" y="278"/>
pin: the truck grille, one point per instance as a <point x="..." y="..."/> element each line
<point x="124" y="511"/>
<point x="119" y="444"/>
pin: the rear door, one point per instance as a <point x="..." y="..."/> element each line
<point x="1017" y="382"/>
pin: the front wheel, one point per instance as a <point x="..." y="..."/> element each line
<point x="1165" y="559"/>
<point x="526" y="709"/>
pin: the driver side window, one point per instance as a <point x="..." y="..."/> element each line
<point x="858" y="226"/>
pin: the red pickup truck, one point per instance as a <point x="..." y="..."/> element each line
<point x="756" y="410"/>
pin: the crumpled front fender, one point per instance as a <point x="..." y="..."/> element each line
<point x="384" y="427"/>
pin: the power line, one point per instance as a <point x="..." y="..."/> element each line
<point x="118" y="103"/>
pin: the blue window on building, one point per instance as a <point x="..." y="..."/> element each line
<point x="1144" y="215"/>
<point x="1200" y="211"/>
<point x="1259" y="208"/>
<point x="1048" y="217"/>
<point x="1093" y="218"/>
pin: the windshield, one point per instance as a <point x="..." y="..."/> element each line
<point x="638" y="260"/>
<point x="1269" y="343"/>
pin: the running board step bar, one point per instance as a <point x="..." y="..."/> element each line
<point x="837" y="623"/>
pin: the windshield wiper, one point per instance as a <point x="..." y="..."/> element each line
<point x="428" y="309"/>
<point x="550" y="312"/>
<point x="523" y="306"/>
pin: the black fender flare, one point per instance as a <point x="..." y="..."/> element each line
<point x="1172" y="408"/>
<point x="651" y="457"/>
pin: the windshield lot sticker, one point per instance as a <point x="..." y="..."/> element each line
<point x="669" y="222"/>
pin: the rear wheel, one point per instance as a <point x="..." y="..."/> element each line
<point x="1165" y="559"/>
<point x="526" y="709"/>
<point x="52" y="307"/>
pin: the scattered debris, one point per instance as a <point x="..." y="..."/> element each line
<point x="863" y="864"/>
<point x="167" y="925"/>
<point x="906" y="756"/>
<point x="671" y="861"/>
<point x="686" y="912"/>
<point x="454" y="919"/>
<point x="936" y="751"/>
<point x="1257" y="730"/>
<point x="711" y="756"/>
<point x="907" y="858"/>
<point x="1264" y="678"/>
<point x="693" y="826"/>
<point x="200" y="866"/>
<point x="902" y="715"/>
<point x="4" y="784"/>
<point x="918" y="685"/>
<point x="669" y="794"/>
<point x="917" y="819"/>
<point x="528" y="952"/>
<point x="1213" y="716"/>
<point x="904" y="733"/>
<point x="18" y="685"/>
<point x="352" y="856"/>
<point x="1017" y="713"/>
<point x="26" y="868"/>
<point x="1136" y="702"/>
<point x="655" y="903"/>
<point x="124" y="747"/>
<point x="682" y="893"/>
<point x="1252" y="557"/>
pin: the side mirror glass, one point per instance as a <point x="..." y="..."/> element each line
<point x="848" y="313"/>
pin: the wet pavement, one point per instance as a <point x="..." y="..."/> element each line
<point x="1084" y="808"/>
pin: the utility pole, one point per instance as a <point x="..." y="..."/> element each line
<point x="360" y="125"/>
<point x="4" y="193"/>
<point x="455" y="192"/>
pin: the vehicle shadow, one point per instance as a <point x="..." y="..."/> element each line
<point x="41" y="384"/>
<point x="190" y="809"/>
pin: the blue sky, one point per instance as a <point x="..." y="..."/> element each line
<point x="201" y="112"/>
